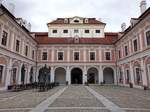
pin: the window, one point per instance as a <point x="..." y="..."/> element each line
<point x="76" y="21"/>
<point x="135" y="46"/>
<point x="76" y="55"/>
<point x="17" y="45"/>
<point x="1" y="73"/>
<point x="44" y="56"/>
<point x="87" y="31"/>
<point x="76" y="31"/>
<point x="148" y="37"/>
<point x="4" y="38"/>
<point x="60" y="56"/>
<point x="97" y="31"/>
<point x="138" y="76"/>
<point x="32" y="54"/>
<point x="26" y="51"/>
<point x="92" y="55"/>
<point x="107" y="55"/>
<point x="65" y="31"/>
<point x="54" y="31"/>
<point x="126" y="50"/>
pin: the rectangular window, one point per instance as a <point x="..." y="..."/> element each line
<point x="92" y="55"/>
<point x="97" y="31"/>
<point x="126" y="50"/>
<point x="1" y="73"/>
<point x="4" y="38"/>
<point x="148" y="37"/>
<point x="76" y="31"/>
<point x="138" y="76"/>
<point x="44" y="56"/>
<point x="54" y="31"/>
<point x="26" y="51"/>
<point x="32" y="54"/>
<point x="76" y="55"/>
<point x="60" y="55"/>
<point x="107" y="55"/>
<point x="135" y="46"/>
<point x="17" y="45"/>
<point x="87" y="31"/>
<point x="65" y="31"/>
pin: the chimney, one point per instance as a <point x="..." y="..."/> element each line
<point x="123" y="27"/>
<point x="143" y="6"/>
<point x="11" y="8"/>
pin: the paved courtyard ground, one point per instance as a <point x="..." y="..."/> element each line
<point x="77" y="99"/>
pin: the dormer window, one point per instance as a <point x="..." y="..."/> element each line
<point x="66" y="20"/>
<point x="54" y="31"/>
<point x="76" y="31"/>
<point x="76" y="21"/>
<point x="86" y="20"/>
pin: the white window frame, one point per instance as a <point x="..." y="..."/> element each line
<point x="74" y="57"/>
<point x="89" y="55"/>
<point x="136" y="74"/>
<point x="110" y="55"/>
<point x="145" y="39"/>
<point x="127" y="50"/>
<point x="57" y="55"/>
<point x="135" y="38"/>
<point x="42" y="54"/>
<point x="19" y="44"/>
<point x="3" y="29"/>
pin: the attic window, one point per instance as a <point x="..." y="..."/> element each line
<point x="86" y="20"/>
<point x="76" y="21"/>
<point x="66" y="21"/>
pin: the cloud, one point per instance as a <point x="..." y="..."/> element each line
<point x="112" y="12"/>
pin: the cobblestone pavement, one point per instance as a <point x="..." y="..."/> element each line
<point x="77" y="99"/>
<point x="132" y="100"/>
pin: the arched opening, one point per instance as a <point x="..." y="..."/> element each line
<point x="31" y="75"/>
<point x="92" y="76"/>
<point x="108" y="75"/>
<point x="23" y="74"/>
<point x="60" y="75"/>
<point x="76" y="76"/>
<point x="44" y="75"/>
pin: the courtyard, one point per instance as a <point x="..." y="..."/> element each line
<point x="77" y="98"/>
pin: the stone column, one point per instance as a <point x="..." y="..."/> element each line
<point x="123" y="75"/>
<point x="131" y="74"/>
<point x="19" y="74"/>
<point x="100" y="74"/>
<point x="52" y="74"/>
<point x="84" y="75"/>
<point x="143" y="73"/>
<point x="28" y="74"/>
<point x="8" y="73"/>
<point x="68" y="75"/>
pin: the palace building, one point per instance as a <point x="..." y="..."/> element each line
<point x="76" y="50"/>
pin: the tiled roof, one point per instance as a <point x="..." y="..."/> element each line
<point x="90" y="21"/>
<point x="42" y="38"/>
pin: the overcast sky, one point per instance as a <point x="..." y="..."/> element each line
<point x="112" y="12"/>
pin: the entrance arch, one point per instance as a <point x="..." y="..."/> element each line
<point x="60" y="75"/>
<point x="108" y="75"/>
<point x="76" y="76"/>
<point x="92" y="76"/>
